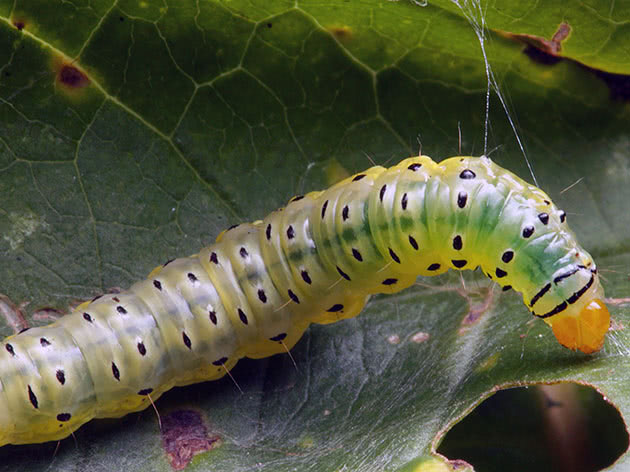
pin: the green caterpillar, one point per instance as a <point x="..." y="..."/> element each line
<point x="255" y="291"/>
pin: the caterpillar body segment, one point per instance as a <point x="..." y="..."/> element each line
<point x="255" y="291"/>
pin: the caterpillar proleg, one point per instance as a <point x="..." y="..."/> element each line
<point x="255" y="291"/>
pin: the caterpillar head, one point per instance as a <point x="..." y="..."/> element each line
<point x="585" y="330"/>
<point x="583" y="325"/>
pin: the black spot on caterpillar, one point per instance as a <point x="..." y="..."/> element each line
<point x="193" y="318"/>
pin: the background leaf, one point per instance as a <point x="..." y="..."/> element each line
<point x="134" y="132"/>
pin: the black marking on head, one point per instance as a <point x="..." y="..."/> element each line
<point x="242" y="316"/>
<point x="296" y="198"/>
<point x="186" y="340"/>
<point x="555" y="311"/>
<point x="335" y="308"/>
<point x="268" y="232"/>
<point x="116" y="299"/>
<point x="32" y="397"/>
<point x="278" y="337"/>
<point x="404" y="201"/>
<point x="544" y="218"/>
<point x="528" y="231"/>
<point x="192" y="277"/>
<point x="61" y="376"/>
<point x="221" y="361"/>
<point x="394" y="255"/>
<point x="63" y="417"/>
<point x="567" y="274"/>
<point x="262" y="296"/>
<point x="458" y="244"/>
<point x="563" y="217"/>
<point x="539" y="295"/>
<point x="434" y="266"/>
<point x="324" y="206"/>
<point x="343" y="274"/>
<point x="358" y="177"/>
<point x="357" y="255"/>
<point x="345" y="213"/>
<point x="507" y="256"/>
<point x="290" y="232"/>
<point x="167" y="262"/>
<point x="243" y="252"/>
<point x="115" y="371"/>
<point x="414" y="167"/>
<point x="413" y="242"/>
<point x="213" y="316"/>
<point x="213" y="258"/>
<point x="121" y="310"/>
<point x="145" y="391"/>
<point x="489" y="275"/>
<point x="96" y="298"/>
<point x="459" y="263"/>
<point x="467" y="174"/>
<point x="381" y="194"/>
<point x="306" y="277"/>
<point x="157" y="284"/>
<point x="500" y="273"/>
<point x="389" y="281"/>
<point x="232" y="227"/>
<point x="44" y="342"/>
<point x="575" y="297"/>
<point x="506" y="288"/>
<point x="462" y="197"/>
<point x="23" y="330"/>
<point x="293" y="297"/>
<point x="141" y="349"/>
<point x="547" y="202"/>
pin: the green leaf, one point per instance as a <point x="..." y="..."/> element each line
<point x="134" y="132"/>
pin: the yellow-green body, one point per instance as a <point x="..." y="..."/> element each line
<point x="255" y="291"/>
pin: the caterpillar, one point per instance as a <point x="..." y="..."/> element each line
<point x="255" y="291"/>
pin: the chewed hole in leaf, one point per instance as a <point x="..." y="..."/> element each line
<point x="561" y="427"/>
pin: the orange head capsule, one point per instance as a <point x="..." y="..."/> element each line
<point x="586" y="331"/>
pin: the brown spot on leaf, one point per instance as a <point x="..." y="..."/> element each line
<point x="13" y="314"/>
<point x="72" y="77"/>
<point x="185" y="435"/>
<point x="543" y="50"/>
<point x="341" y="33"/>
<point x="549" y="52"/>
<point x="476" y="308"/>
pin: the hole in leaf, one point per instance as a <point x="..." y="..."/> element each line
<point x="561" y="427"/>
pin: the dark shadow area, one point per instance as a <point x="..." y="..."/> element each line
<point x="561" y="427"/>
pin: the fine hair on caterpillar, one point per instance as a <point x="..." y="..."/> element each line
<point x="255" y="291"/>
